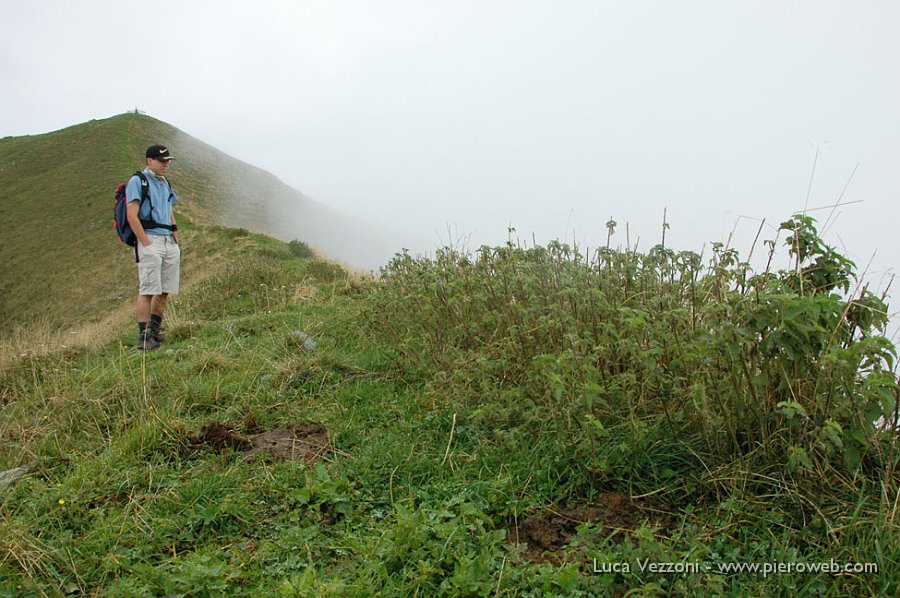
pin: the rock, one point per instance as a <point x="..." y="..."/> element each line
<point x="8" y="477"/>
<point x="300" y="377"/>
<point x="304" y="339"/>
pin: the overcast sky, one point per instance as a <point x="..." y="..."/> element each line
<point x="552" y="116"/>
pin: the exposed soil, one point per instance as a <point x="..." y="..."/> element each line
<point x="548" y="532"/>
<point x="303" y="442"/>
<point x="306" y="442"/>
<point x="220" y="437"/>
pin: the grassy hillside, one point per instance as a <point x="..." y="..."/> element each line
<point x="521" y="422"/>
<point x="59" y="257"/>
<point x="63" y="268"/>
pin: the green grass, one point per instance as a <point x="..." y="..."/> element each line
<point x="436" y="455"/>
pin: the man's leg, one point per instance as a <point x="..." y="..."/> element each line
<point x="143" y="313"/>
<point x="158" y="304"/>
<point x="143" y="308"/>
<point x="169" y="279"/>
<point x="149" y="286"/>
<point x="157" y="310"/>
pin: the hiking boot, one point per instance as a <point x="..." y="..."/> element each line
<point x="157" y="333"/>
<point x="146" y="342"/>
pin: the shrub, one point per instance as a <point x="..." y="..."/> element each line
<point x="777" y="373"/>
<point x="301" y="250"/>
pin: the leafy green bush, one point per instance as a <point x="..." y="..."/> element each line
<point x="301" y="250"/>
<point x="739" y="376"/>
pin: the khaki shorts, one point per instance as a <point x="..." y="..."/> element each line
<point x="159" y="266"/>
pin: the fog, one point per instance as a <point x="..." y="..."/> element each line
<point x="248" y="197"/>
<point x="452" y="121"/>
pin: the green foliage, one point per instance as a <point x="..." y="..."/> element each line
<point x="748" y="370"/>
<point x="301" y="250"/>
<point x="819" y="268"/>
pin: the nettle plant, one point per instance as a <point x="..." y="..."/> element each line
<point x="786" y="369"/>
<point x="816" y="371"/>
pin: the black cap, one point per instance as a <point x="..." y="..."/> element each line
<point x="159" y="152"/>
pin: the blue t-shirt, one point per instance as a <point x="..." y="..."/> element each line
<point x="158" y="206"/>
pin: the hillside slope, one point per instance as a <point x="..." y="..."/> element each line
<point x="63" y="266"/>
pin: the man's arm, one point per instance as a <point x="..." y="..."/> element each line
<point x="135" y="222"/>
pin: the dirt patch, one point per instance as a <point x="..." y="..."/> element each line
<point x="306" y="442"/>
<point x="547" y="533"/>
<point x="220" y="437"/>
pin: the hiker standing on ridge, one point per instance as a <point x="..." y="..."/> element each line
<point x="158" y="254"/>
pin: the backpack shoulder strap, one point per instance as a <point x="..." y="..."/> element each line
<point x="145" y="185"/>
<point x="171" y="189"/>
<point x="145" y="191"/>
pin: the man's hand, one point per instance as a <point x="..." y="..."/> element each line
<point x="135" y="222"/>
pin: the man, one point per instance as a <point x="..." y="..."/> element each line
<point x="158" y="254"/>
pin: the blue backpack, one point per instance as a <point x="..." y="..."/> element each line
<point x="120" y="215"/>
